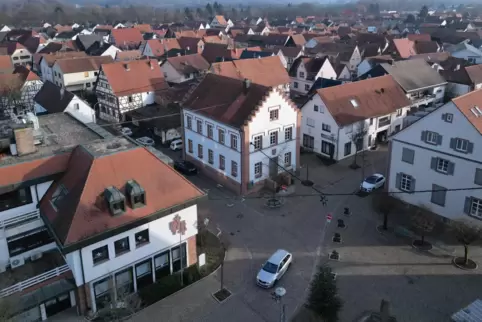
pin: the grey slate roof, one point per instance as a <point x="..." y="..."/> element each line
<point x="414" y="74"/>
<point x="51" y="99"/>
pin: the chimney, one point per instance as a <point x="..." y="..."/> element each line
<point x="24" y="141"/>
<point x="246" y="85"/>
<point x="150" y="64"/>
<point x="126" y="67"/>
<point x="458" y="67"/>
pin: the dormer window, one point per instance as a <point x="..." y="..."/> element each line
<point x="115" y="200"/>
<point x="58" y="196"/>
<point x="136" y="194"/>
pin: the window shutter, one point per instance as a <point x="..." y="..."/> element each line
<point x="433" y="164"/>
<point x="439" y="139"/>
<point x="467" y="204"/>
<point x="478" y="177"/>
<point x="470" y="147"/>
<point x="451" y="168"/>
<point x="424" y="136"/>
<point x="412" y="185"/>
<point x="444" y="117"/>
<point x="453" y="143"/>
<point x="398" y="180"/>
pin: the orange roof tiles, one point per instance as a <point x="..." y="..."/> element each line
<point x="221" y="20"/>
<point x="468" y="101"/>
<point x="137" y="76"/>
<point x="160" y="46"/>
<point x="373" y="97"/>
<point x="405" y="47"/>
<point x="267" y="71"/>
<point x="126" y="37"/>
<point x="144" y="28"/>
<point x="6" y="63"/>
<point x="83" y="213"/>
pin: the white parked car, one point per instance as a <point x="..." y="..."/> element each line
<point x="373" y="182"/>
<point x="176" y="145"/>
<point x="145" y="141"/>
<point x="126" y="131"/>
<point x="274" y="268"/>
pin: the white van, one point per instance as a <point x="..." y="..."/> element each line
<point x="176" y="145"/>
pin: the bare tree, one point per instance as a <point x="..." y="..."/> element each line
<point x="424" y="222"/>
<point x="360" y="130"/>
<point x="10" y="96"/>
<point x="466" y="233"/>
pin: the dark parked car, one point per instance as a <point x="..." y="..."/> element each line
<point x="185" y="167"/>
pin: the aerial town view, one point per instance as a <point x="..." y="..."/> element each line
<point x="256" y="161"/>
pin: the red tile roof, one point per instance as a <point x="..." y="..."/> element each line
<point x="373" y="97"/>
<point x="6" y="64"/>
<point x="82" y="64"/>
<point x="30" y="170"/>
<point x="189" y="63"/>
<point x="127" y="37"/>
<point x="84" y="213"/>
<point x="419" y="37"/>
<point x="221" y="20"/>
<point x="26" y="73"/>
<point x="405" y="47"/>
<point x="160" y="46"/>
<point x="267" y="71"/>
<point x="137" y="76"/>
<point x="468" y="101"/>
<point x="144" y="28"/>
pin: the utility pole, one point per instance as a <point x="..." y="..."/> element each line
<point x="278" y="298"/>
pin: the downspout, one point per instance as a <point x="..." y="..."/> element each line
<point x="87" y="304"/>
<point x="242" y="163"/>
<point x="338" y="142"/>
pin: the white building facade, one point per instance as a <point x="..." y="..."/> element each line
<point x="304" y="79"/>
<point x="441" y="151"/>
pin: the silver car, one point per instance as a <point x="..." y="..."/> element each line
<point x="274" y="268"/>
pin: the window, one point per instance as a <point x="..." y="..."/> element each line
<point x="162" y="265"/>
<point x="199" y="126"/>
<point x="442" y="165"/>
<point x="408" y="155"/>
<point x="221" y="136"/>
<point x="15" y="198"/>
<point x="448" y="117"/>
<point x="28" y="240"/>
<point x="461" y="145"/>
<point x="347" y="149"/>
<point x="86" y="74"/>
<point x="76" y="106"/>
<point x="295" y="84"/>
<point x="399" y="112"/>
<point x="438" y="195"/>
<point x="405" y="182"/>
<point x="222" y="162"/>
<point x="287" y="159"/>
<point x="234" y="169"/>
<point x="144" y="274"/>
<point x="326" y="127"/>
<point x="371" y="121"/>
<point x="100" y="254"/>
<point x="124" y="282"/>
<point x="273" y="138"/>
<point x="142" y="237"/>
<point x="87" y="85"/>
<point x="102" y="293"/>
<point x="307" y="87"/>
<point x="326" y="147"/>
<point x="179" y="258"/>
<point x="315" y="108"/>
<point x="129" y="99"/>
<point x="210" y="131"/>
<point x="210" y="156"/>
<point x="96" y="73"/>
<point x="258" y="142"/>
<point x="273" y="114"/>
<point x="302" y="75"/>
<point x="258" y="170"/>
<point x="473" y="207"/>
<point x="308" y="141"/>
<point x="478" y="177"/>
<point x="349" y="129"/>
<point x="189" y="122"/>
<point x="234" y="141"/>
<point x="310" y="122"/>
<point x="189" y="146"/>
<point x="121" y="246"/>
<point x="431" y="137"/>
<point x="288" y="133"/>
<point x="354" y="103"/>
<point x="200" y="151"/>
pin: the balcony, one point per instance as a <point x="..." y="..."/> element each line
<point x="19" y="220"/>
<point x="384" y="121"/>
<point x="50" y="265"/>
<point x="422" y="99"/>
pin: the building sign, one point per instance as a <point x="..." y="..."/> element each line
<point x="178" y="226"/>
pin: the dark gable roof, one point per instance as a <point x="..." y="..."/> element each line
<point x="414" y="74"/>
<point x="248" y="54"/>
<point x="312" y="66"/>
<point x="225" y="99"/>
<point x="66" y="35"/>
<point x="426" y="47"/>
<point x="216" y="52"/>
<point x="84" y="42"/>
<point x="258" y="40"/>
<point x="189" y="42"/>
<point x="50" y="97"/>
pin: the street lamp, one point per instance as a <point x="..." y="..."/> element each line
<point x="278" y="295"/>
<point x="222" y="260"/>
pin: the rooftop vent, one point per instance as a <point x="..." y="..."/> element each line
<point x="354" y="103"/>
<point x="476" y="111"/>
<point x="116" y="202"/>
<point x="136" y="194"/>
<point x="126" y="67"/>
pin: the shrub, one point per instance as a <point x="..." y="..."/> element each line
<point x="323" y="298"/>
